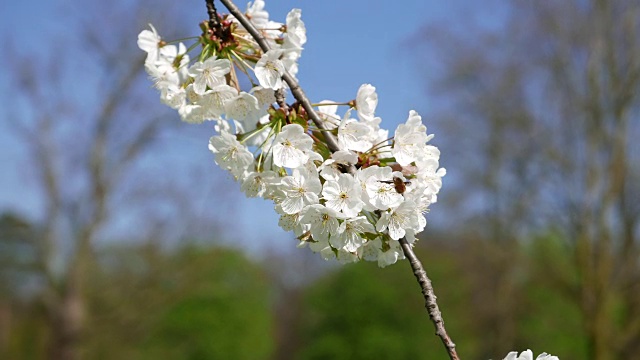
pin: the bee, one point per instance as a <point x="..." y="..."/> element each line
<point x="398" y="184"/>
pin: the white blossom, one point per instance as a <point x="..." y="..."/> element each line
<point x="346" y="257"/>
<point x="296" y="34"/>
<point x="398" y="220"/>
<point x="429" y="176"/>
<point x="291" y="146"/>
<point x="215" y="99"/>
<point x="352" y="135"/>
<point x="163" y="74"/>
<point x="300" y="189"/>
<point x="327" y="113"/>
<point x="349" y="235"/>
<point x="290" y="60"/>
<point x="366" y="102"/>
<point x="257" y="14"/>
<point x="291" y="222"/>
<point x="343" y="195"/>
<point x="193" y="114"/>
<point x="381" y="192"/>
<point x="262" y="137"/>
<point x="149" y="41"/>
<point x="323" y="221"/>
<point x="390" y="255"/>
<point x="422" y="203"/>
<point x="370" y="250"/>
<point x="243" y="108"/>
<point x="269" y="70"/>
<point x="323" y="248"/>
<point x="410" y="140"/>
<point x="173" y="96"/>
<point x="209" y="73"/>
<point x="265" y="96"/>
<point x="528" y="355"/>
<point x="332" y="167"/>
<point x="230" y="154"/>
<point x="260" y="19"/>
<point x="256" y="184"/>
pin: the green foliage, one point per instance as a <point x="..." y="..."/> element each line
<point x="197" y="304"/>
<point x="551" y="318"/>
<point x="211" y="303"/>
<point x="364" y="312"/>
<point x="17" y="253"/>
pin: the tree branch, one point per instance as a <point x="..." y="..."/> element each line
<point x="296" y="90"/>
<point x="430" y="298"/>
<point x="418" y="270"/>
<point x="214" y="21"/>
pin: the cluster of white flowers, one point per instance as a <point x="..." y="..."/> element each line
<point x="528" y="355"/>
<point x="277" y="153"/>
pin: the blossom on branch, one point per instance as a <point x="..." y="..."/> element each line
<point x="230" y="154"/>
<point x="348" y="204"/>
<point x="291" y="147"/>
<point x="269" y="70"/>
<point x="209" y="73"/>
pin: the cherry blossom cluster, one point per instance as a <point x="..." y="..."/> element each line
<point x="351" y="204"/>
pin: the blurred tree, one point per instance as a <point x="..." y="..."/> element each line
<point x="83" y="112"/>
<point x="544" y="109"/>
<point x="17" y="284"/>
<point x="189" y="303"/>
<point x="549" y="319"/>
<point x="364" y="312"/>
<point x="291" y="273"/>
<point x="16" y="254"/>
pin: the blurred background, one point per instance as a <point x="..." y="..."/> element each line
<point x="121" y="239"/>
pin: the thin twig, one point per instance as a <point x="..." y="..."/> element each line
<point x="296" y="90"/>
<point x="280" y="100"/>
<point x="214" y="21"/>
<point x="418" y="270"/>
<point x="430" y="298"/>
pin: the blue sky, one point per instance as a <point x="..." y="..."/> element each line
<point x="349" y="43"/>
